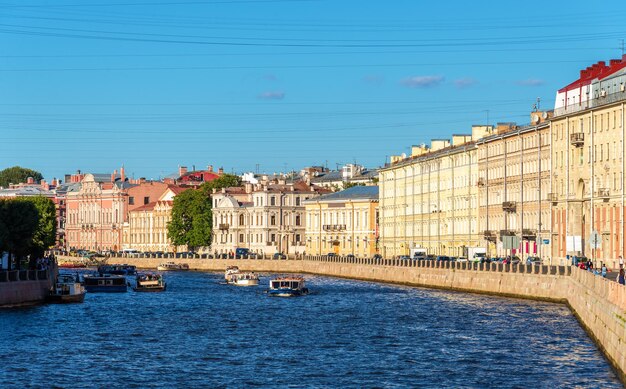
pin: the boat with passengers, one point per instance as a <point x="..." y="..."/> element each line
<point x="289" y="286"/>
<point x="120" y="270"/>
<point x="105" y="283"/>
<point x="67" y="289"/>
<point x="243" y="279"/>
<point x="148" y="282"/>
<point x="230" y="272"/>
<point x="172" y="266"/>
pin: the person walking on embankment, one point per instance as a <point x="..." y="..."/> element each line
<point x="621" y="278"/>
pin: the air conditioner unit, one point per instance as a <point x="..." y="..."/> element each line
<point x="602" y="93"/>
<point x="622" y="88"/>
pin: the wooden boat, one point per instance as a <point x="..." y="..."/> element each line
<point x="67" y="289"/>
<point x="149" y="283"/>
<point x="121" y="270"/>
<point x="244" y="279"/>
<point x="291" y="286"/>
<point x="105" y="283"/>
<point x="172" y="266"/>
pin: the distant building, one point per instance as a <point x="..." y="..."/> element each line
<point x="194" y="177"/>
<point x="266" y="218"/>
<point x="348" y="174"/>
<point x="343" y="223"/>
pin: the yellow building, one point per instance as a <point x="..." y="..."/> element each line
<point x="514" y="188"/>
<point x="146" y="229"/>
<point x="587" y="137"/>
<point x="343" y="223"/>
<point x="430" y="199"/>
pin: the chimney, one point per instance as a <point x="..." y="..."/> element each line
<point x="113" y="175"/>
<point x="210" y="168"/>
<point x="614" y="62"/>
<point x="54" y="182"/>
<point x="30" y="180"/>
<point x="122" y="177"/>
<point x="182" y="170"/>
<point x="220" y="171"/>
<point x="248" y="187"/>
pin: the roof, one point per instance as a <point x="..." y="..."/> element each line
<point x="598" y="70"/>
<point x="354" y="193"/>
<point x="148" y="207"/>
<point x="177" y="189"/>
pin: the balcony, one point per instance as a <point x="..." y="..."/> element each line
<point x="604" y="194"/>
<point x="490" y="235"/>
<point x="553" y="198"/>
<point x="509" y="206"/>
<point x="224" y="226"/>
<point x="528" y="234"/>
<point x="481" y="182"/>
<point x="334" y="227"/>
<point x="577" y="139"/>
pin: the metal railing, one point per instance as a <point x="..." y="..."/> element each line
<point x="23" y="275"/>
<point x="593" y="103"/>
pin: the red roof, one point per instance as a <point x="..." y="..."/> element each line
<point x="598" y="70"/>
<point x="199" y="176"/>
<point x="177" y="189"/>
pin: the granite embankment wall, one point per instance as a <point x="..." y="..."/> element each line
<point x="23" y="287"/>
<point x="599" y="304"/>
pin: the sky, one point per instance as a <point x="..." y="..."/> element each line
<point x="276" y="85"/>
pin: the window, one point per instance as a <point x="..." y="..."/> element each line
<point x="131" y="200"/>
<point x="272" y="200"/>
<point x="297" y="237"/>
<point x="241" y="220"/>
<point x="240" y="238"/>
<point x="273" y="220"/>
<point x="273" y="238"/>
<point x="297" y="201"/>
<point x="146" y="200"/>
<point x="297" y="220"/>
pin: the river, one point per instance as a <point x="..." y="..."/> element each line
<point x="201" y="333"/>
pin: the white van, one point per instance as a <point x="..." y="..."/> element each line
<point x="130" y="251"/>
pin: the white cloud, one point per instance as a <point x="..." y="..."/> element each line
<point x="272" y="95"/>
<point x="465" y="82"/>
<point x="531" y="82"/>
<point x="422" y="81"/>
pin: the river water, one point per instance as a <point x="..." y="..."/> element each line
<point x="201" y="333"/>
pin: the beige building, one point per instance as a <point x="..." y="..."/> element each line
<point x="514" y="188"/>
<point x="146" y="229"/>
<point x="587" y="137"/>
<point x="265" y="218"/>
<point x="430" y="199"/>
<point x="343" y="223"/>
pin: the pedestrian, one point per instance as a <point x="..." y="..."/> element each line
<point x="621" y="278"/>
<point x="604" y="271"/>
<point x="621" y="262"/>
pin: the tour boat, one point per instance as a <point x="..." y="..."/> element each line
<point x="149" y="283"/>
<point x="67" y="289"/>
<point x="172" y="266"/>
<point x="120" y="270"/>
<point x="71" y="265"/>
<point x="230" y="272"/>
<point x="287" y="287"/>
<point x="244" y="279"/>
<point x="107" y="283"/>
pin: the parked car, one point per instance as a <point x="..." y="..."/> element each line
<point x="431" y="257"/>
<point x="533" y="261"/>
<point x="461" y="259"/>
<point x="377" y="256"/>
<point x="443" y="258"/>
<point x="350" y="256"/>
<point x="279" y="256"/>
<point x="404" y="257"/>
<point x="331" y="255"/>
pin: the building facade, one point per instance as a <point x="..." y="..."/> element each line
<point x="265" y="218"/>
<point x="587" y="136"/>
<point x="430" y="199"/>
<point x="514" y="189"/>
<point x="343" y="223"/>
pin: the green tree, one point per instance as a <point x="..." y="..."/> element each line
<point x="191" y="219"/>
<point x="347" y="185"/>
<point x="45" y="234"/>
<point x="17" y="174"/>
<point x="223" y="181"/>
<point x="19" y="220"/>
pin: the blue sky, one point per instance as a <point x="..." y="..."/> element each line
<point x="153" y="84"/>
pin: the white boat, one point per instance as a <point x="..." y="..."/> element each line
<point x="244" y="279"/>
<point x="172" y="266"/>
<point x="230" y="271"/>
<point x="67" y="289"/>
<point x="287" y="287"/>
<point x="149" y="283"/>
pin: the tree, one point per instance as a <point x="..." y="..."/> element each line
<point x="18" y="222"/>
<point x="347" y="185"/>
<point x="191" y="219"/>
<point x="223" y="181"/>
<point x="17" y="174"/>
<point x="45" y="234"/>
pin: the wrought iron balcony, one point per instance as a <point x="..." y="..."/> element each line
<point x="529" y="234"/>
<point x="509" y="206"/>
<point x="223" y="226"/>
<point x="553" y="197"/>
<point x="577" y="139"/>
<point x="481" y="181"/>
<point x="490" y="235"/>
<point x="604" y="193"/>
